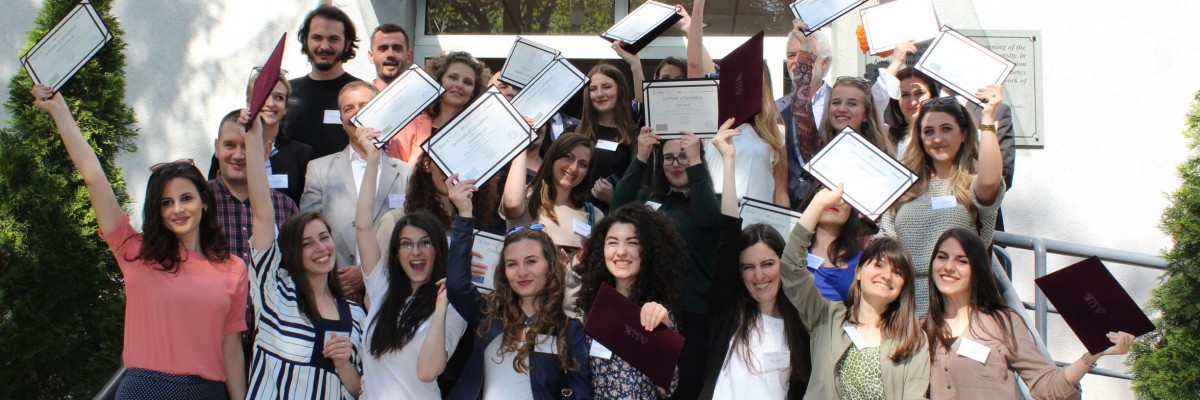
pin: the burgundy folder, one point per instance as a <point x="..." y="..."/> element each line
<point x="739" y="95"/>
<point x="616" y="322"/>
<point x="1093" y="303"/>
<point x="265" y="82"/>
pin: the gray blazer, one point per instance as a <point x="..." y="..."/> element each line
<point x="330" y="190"/>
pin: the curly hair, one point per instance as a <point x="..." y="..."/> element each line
<point x="398" y="318"/>
<point x="423" y="194"/>
<point x="543" y="189"/>
<point x="159" y="244"/>
<point x="660" y="278"/>
<point x="438" y="66"/>
<point x="503" y="306"/>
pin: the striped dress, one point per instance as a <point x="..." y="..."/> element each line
<point x="287" y="362"/>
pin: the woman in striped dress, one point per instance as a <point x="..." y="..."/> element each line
<point x="308" y="333"/>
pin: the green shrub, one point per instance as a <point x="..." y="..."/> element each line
<point x="1166" y="362"/>
<point x="61" y="294"/>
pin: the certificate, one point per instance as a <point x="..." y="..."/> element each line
<point x="873" y="180"/>
<point x="962" y="64"/>
<point x="681" y="105"/>
<point x="524" y="62"/>
<point x="489" y="246"/>
<point x="898" y="21"/>
<point x="642" y="25"/>
<point x="67" y="47"/>
<point x="818" y="13"/>
<point x="481" y="139"/>
<point x="549" y="90"/>
<point x="760" y="212"/>
<point x="399" y="103"/>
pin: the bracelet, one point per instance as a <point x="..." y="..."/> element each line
<point x="1089" y="360"/>
<point x="987" y="127"/>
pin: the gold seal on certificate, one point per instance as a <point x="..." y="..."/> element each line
<point x="525" y="60"/>
<point x="67" y="47"/>
<point x="481" y="140"/>
<point x="549" y="90"/>
<point x="642" y="25"/>
<point x="488" y="246"/>
<point x="887" y="24"/>
<point x="755" y="211"/>
<point x="873" y="180"/>
<point x="681" y="105"/>
<point x="399" y="103"/>
<point x="818" y="13"/>
<point x="963" y="65"/>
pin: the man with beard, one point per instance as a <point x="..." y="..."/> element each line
<point x="390" y="52"/>
<point x="328" y="38"/>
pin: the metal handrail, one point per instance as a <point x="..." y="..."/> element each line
<point x="109" y="391"/>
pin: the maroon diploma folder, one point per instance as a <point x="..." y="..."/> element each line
<point x="266" y="80"/>
<point x="739" y="95"/>
<point x="616" y="322"/>
<point x="1093" y="303"/>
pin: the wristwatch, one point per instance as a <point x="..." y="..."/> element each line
<point x="987" y="127"/>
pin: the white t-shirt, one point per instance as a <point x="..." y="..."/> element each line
<point x="500" y="380"/>
<point x="741" y="381"/>
<point x="752" y="165"/>
<point x="394" y="376"/>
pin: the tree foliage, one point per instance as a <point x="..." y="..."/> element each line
<point x="61" y="294"/>
<point x="1166" y="362"/>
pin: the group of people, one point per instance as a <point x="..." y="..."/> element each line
<point x="367" y="287"/>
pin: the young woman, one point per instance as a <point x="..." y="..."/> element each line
<point x="968" y="310"/>
<point x="557" y="196"/>
<point x="309" y="335"/>
<point x="463" y="78"/>
<point x="960" y="185"/>
<point x="635" y="250"/>
<point x="608" y="120"/>
<point x="428" y="191"/>
<point x="185" y="295"/>
<point x="836" y="247"/>
<point x="915" y="87"/>
<point x="759" y="348"/>
<point x="525" y="345"/>
<point x="401" y="287"/>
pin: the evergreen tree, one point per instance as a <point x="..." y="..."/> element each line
<point x="1166" y="362"/>
<point x="61" y="294"/>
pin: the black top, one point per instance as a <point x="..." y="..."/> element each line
<point x="305" y="120"/>
<point x="609" y="163"/>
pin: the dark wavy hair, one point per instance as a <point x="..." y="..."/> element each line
<point x="849" y="239"/>
<point x="423" y="195"/>
<point x="438" y="66"/>
<point x="543" y="189"/>
<point x="670" y="60"/>
<point x="660" y="278"/>
<point x="899" y="320"/>
<point x="159" y="244"/>
<point x="627" y="127"/>
<point x="984" y="293"/>
<point x="900" y="126"/>
<point x="291" y="251"/>
<point x="503" y="305"/>
<point x="750" y="317"/>
<point x="397" y="319"/>
<point x="336" y="14"/>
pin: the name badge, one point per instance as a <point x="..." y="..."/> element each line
<point x="333" y="117"/>
<point x="329" y="335"/>
<point x="599" y="351"/>
<point x="857" y="338"/>
<point x="278" y="181"/>
<point x="815" y="261"/>
<point x="606" y="145"/>
<point x="777" y="360"/>
<point x="546" y="344"/>
<point x="653" y="206"/>
<point x="582" y="228"/>
<point x="396" y="200"/>
<point x="941" y="202"/>
<point x="974" y="350"/>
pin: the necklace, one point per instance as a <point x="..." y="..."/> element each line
<point x="529" y="320"/>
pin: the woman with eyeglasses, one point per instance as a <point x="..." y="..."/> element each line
<point x="464" y="80"/>
<point x="309" y="335"/>
<point x="967" y="311"/>
<point x="525" y="345"/>
<point x="960" y="180"/>
<point x="185" y="298"/>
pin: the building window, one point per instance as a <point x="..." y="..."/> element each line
<point x="518" y="17"/>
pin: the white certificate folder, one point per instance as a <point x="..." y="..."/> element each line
<point x="682" y="105"/>
<point x="818" y="13"/>
<point x="481" y="140"/>
<point x="963" y="65"/>
<point x="873" y="180"/>
<point x="549" y="91"/>
<point x="886" y="24"/>
<point x="489" y="246"/>
<point x="399" y="103"/>
<point x="67" y="47"/>
<point x="642" y="25"/>
<point x="525" y="60"/>
<point x="754" y="211"/>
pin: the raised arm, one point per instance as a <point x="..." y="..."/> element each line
<point x="431" y="362"/>
<point x="724" y="144"/>
<point x="364" y="215"/>
<point x="635" y="66"/>
<point x="627" y="189"/>
<point x="104" y="202"/>
<point x="262" y="235"/>
<point x="461" y="292"/>
<point x="798" y="283"/>
<point x="699" y="62"/>
<point x="991" y="163"/>
<point x="512" y="203"/>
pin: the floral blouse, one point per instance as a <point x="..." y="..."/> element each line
<point x="614" y="378"/>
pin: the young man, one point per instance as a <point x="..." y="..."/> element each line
<point x="328" y="39"/>
<point x="390" y="52"/>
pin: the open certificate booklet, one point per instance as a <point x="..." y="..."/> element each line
<point x="873" y="180"/>
<point x="399" y="103"/>
<point x="481" y="140"/>
<point x="67" y="47"/>
<point x="755" y="211"/>
<point x="549" y="90"/>
<point x="818" y="13"/>
<point x="887" y="24"/>
<point x="963" y="65"/>
<point x="642" y="25"/>
<point x="682" y="105"/>
<point x="524" y="62"/>
<point x="489" y="246"/>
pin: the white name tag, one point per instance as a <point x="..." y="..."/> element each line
<point x="329" y="335"/>
<point x="941" y="202"/>
<point x="546" y="344"/>
<point x="815" y="261"/>
<point x="278" y="181"/>
<point x="606" y="145"/>
<point x="653" y="206"/>
<point x="974" y="350"/>
<point x="333" y="117"/>
<point x="582" y="228"/>
<point x="777" y="360"/>
<point x="396" y="200"/>
<point x="857" y="338"/>
<point x="599" y="351"/>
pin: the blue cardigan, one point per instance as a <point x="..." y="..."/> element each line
<point x="546" y="380"/>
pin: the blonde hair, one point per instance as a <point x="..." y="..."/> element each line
<point x="917" y="159"/>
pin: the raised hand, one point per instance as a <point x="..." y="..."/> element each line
<point x="460" y="194"/>
<point x="991" y="95"/>
<point x="646" y="142"/>
<point x="47" y="100"/>
<point x="367" y="137"/>
<point x="690" y="144"/>
<point x="724" y="139"/>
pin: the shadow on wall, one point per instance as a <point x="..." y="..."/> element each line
<point x="17" y="20"/>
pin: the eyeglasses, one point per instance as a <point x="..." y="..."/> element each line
<point x="180" y="165"/>
<point x="424" y="244"/>
<point x="853" y="80"/>
<point x="681" y="160"/>
<point x="258" y="70"/>
<point x="938" y="101"/>
<point x="532" y="227"/>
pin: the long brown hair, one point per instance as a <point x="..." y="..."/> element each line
<point x="622" y="110"/>
<point x="984" y="293"/>
<point x="291" y="244"/>
<point x="423" y="195"/>
<point x="543" y="190"/>
<point x="503" y="306"/>
<point x="767" y="123"/>
<point x="900" y="318"/>
<point x="871" y="128"/>
<point x="750" y="318"/>
<point x="917" y="159"/>
<point x="159" y="244"/>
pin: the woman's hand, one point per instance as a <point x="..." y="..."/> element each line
<point x="690" y="144"/>
<point x="1121" y="343"/>
<point x="338" y="349"/>
<point x="992" y="95"/>
<point x="460" y="194"/>
<point x="654" y="314"/>
<point x="47" y="100"/>
<point x="646" y="142"/>
<point x="829" y="198"/>
<point x="683" y="23"/>
<point x="724" y="139"/>
<point x="366" y="139"/>
<point x="630" y="58"/>
<point x="478" y="268"/>
<point x="602" y="190"/>
<point x="901" y="52"/>
<point x="442" y="301"/>
<point x="255" y="131"/>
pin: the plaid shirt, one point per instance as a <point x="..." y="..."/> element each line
<point x="235" y="216"/>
